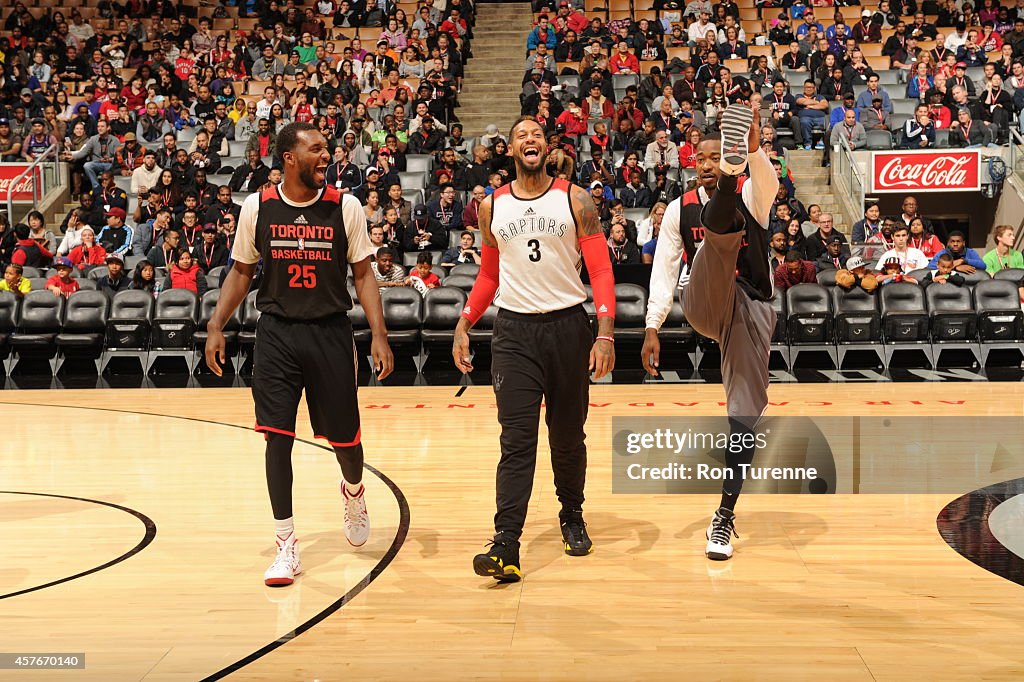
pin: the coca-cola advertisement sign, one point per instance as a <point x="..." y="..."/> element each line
<point x="912" y="172"/>
<point x="23" y="190"/>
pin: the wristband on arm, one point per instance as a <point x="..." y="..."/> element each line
<point x="485" y="287"/>
<point x="602" y="281"/>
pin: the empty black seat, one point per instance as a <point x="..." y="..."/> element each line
<point x="857" y="316"/>
<point x="630" y="312"/>
<point x="470" y="269"/>
<point x="1013" y="274"/>
<point x="858" y="321"/>
<point x="207" y="306"/>
<point x="460" y="281"/>
<point x="778" y="302"/>
<point x="403" y="315"/>
<point x="951" y="312"/>
<point x="174" y="322"/>
<point x="809" y="314"/>
<point x="976" y="277"/>
<point x="904" y="313"/>
<point x="482" y="331"/>
<point x="129" y="320"/>
<point x="1000" y="320"/>
<point x="39" y="319"/>
<point x="676" y="329"/>
<point x="827" y="278"/>
<point x="174" y="319"/>
<point x="250" y="319"/>
<point x="85" y="322"/>
<point x="442" y="308"/>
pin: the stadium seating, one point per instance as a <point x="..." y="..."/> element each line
<point x="979" y="318"/>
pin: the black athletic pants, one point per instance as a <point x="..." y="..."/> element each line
<point x="540" y="358"/>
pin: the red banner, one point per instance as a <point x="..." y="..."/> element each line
<point x="23" y="190"/>
<point x="940" y="171"/>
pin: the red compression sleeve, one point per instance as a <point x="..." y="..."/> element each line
<point x="485" y="286"/>
<point x="599" y="265"/>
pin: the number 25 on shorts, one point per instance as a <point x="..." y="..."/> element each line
<point x="302" y="276"/>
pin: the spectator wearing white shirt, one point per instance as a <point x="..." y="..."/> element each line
<point x="909" y="258"/>
<point x="662" y="152"/>
<point x="699" y="29"/>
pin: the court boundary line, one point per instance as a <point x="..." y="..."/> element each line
<point x="147" y="537"/>
<point x="401" y="534"/>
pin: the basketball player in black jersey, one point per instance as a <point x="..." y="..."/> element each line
<point x="307" y="235"/>
<point x="722" y="228"/>
<point x="536" y="229"/>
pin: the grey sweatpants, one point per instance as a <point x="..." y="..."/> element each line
<point x="719" y="309"/>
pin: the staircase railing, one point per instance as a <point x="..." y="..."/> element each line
<point x="49" y="175"/>
<point x="854" y="185"/>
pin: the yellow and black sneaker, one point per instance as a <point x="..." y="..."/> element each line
<point x="574" y="534"/>
<point x="500" y="561"/>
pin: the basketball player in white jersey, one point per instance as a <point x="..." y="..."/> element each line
<point x="722" y="228"/>
<point x="534" y="231"/>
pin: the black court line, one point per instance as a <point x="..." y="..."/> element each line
<point x="462" y="390"/>
<point x="389" y="556"/>
<point x="963" y="524"/>
<point x="147" y="538"/>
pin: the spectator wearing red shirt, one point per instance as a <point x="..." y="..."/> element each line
<point x="688" y="151"/>
<point x="455" y="26"/>
<point x="422" y="277"/>
<point x="576" y="21"/>
<point x="795" y="270"/>
<point x="108" y="110"/>
<point x="63" y="284"/>
<point x="623" y="61"/>
<point x="573" y="120"/>
<point x="185" y="274"/>
<point x="88" y="253"/>
<point x="597" y="105"/>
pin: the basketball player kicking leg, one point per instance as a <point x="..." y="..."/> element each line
<point x="543" y="348"/>
<point x="307" y="235"/>
<point x="722" y="228"/>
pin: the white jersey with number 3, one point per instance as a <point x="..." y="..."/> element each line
<point x="540" y="259"/>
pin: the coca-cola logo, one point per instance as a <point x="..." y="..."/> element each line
<point x="941" y="171"/>
<point x="20" y="191"/>
<point x="25" y="185"/>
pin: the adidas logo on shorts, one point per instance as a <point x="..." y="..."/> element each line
<point x="301" y="220"/>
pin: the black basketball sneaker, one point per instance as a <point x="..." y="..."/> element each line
<point x="574" y="534"/>
<point x="500" y="561"/>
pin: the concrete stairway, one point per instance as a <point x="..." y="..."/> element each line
<point x="812" y="186"/>
<point x="490" y="92"/>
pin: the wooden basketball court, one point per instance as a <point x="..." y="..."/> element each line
<point x="136" y="528"/>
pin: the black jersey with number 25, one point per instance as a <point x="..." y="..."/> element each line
<point x="304" y="251"/>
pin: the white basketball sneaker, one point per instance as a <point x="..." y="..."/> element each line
<point x="286" y="564"/>
<point x="735" y="125"/>
<point x="719" y="535"/>
<point x="357" y="520"/>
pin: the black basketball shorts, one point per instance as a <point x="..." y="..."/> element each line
<point x="318" y="356"/>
